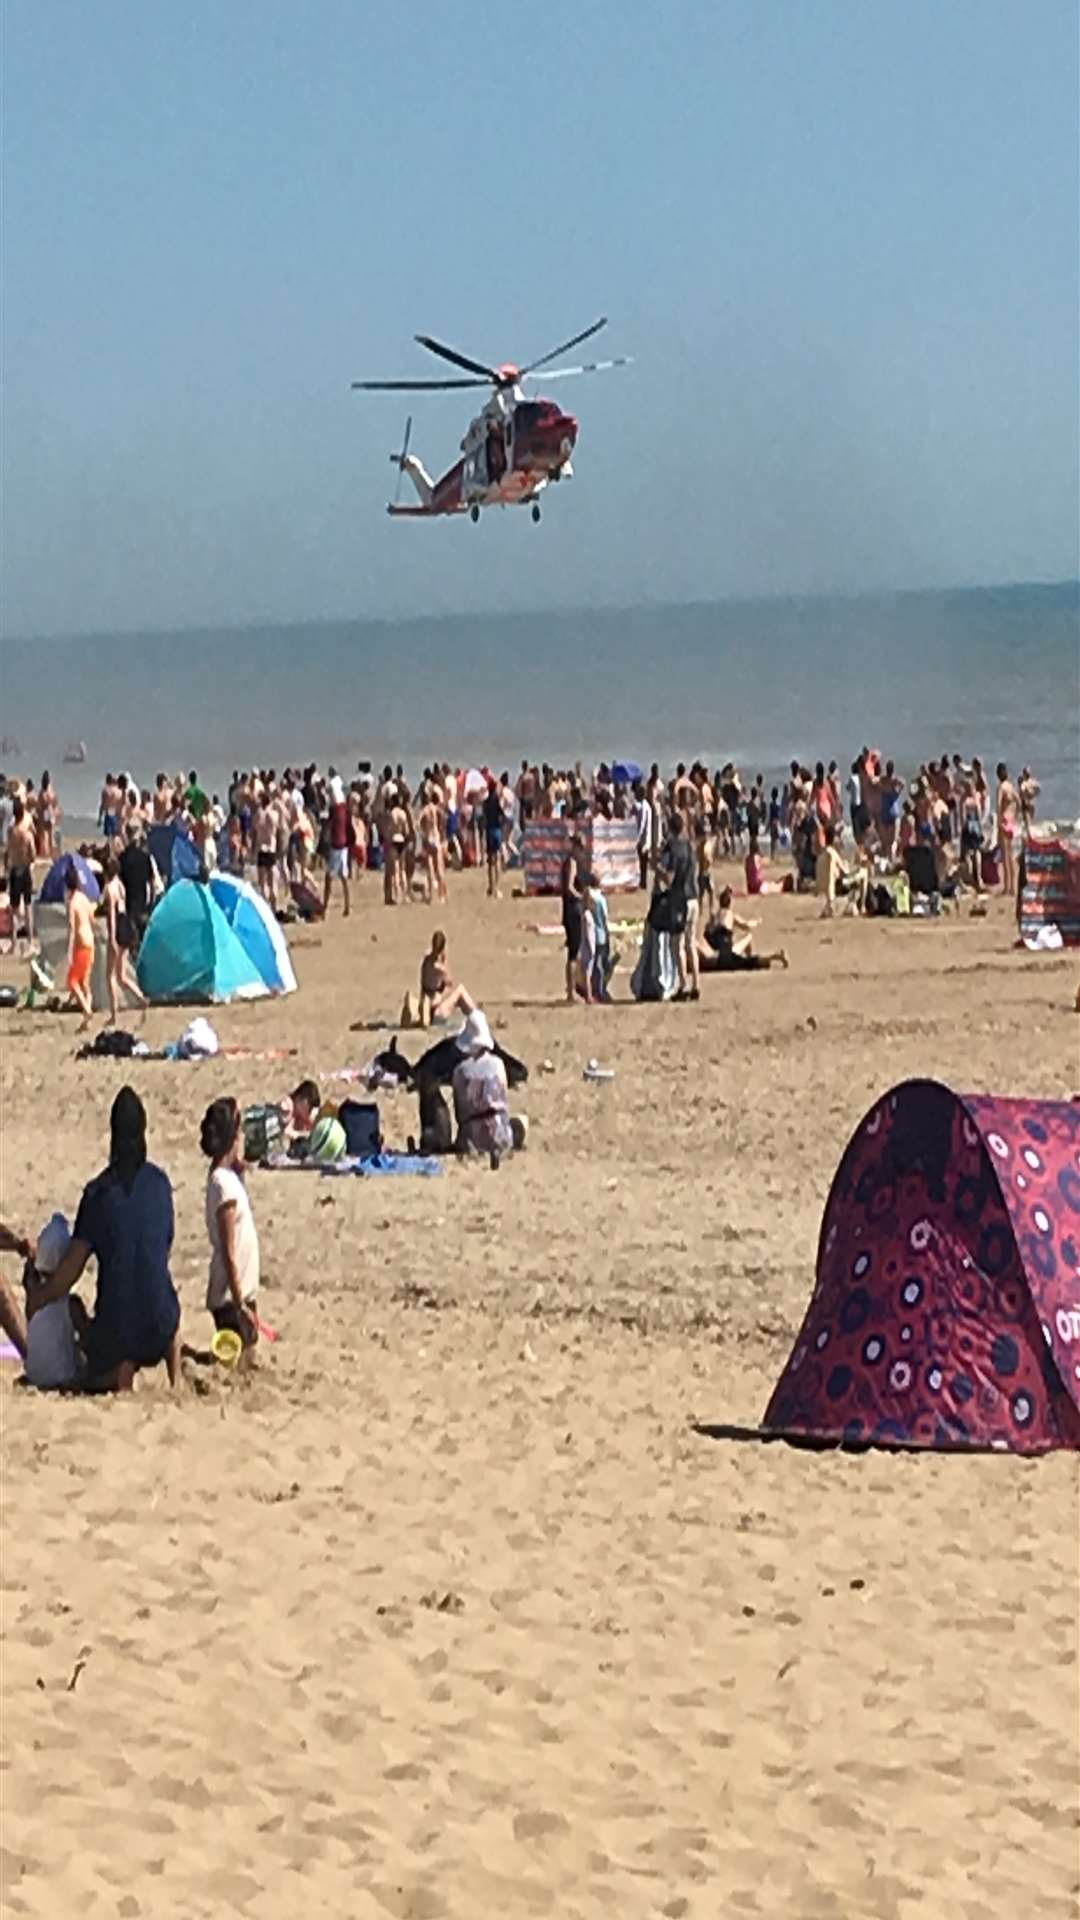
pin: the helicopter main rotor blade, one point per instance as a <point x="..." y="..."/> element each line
<point x="591" y="366"/>
<point x="413" y="386"/>
<point x="456" y="359"/>
<point x="567" y="347"/>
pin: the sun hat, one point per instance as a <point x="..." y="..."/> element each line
<point x="475" y="1036"/>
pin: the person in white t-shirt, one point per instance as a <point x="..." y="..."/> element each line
<point x="52" y="1354"/>
<point x="233" y="1289"/>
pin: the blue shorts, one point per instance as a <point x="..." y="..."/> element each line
<point x="494" y="841"/>
<point x="451" y="826"/>
<point x="110" y="826"/>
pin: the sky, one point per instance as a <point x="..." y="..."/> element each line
<point x="839" y="237"/>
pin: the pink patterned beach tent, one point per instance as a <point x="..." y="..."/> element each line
<point x="946" y="1311"/>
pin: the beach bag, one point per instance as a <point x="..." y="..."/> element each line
<point x="360" y="1120"/>
<point x="264" y="1132"/>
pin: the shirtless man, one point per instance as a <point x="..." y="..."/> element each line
<point x="109" y="808"/>
<point x="266" y="847"/>
<point x="1007" y="812"/>
<point x="80" y="958"/>
<point x="20" y="864"/>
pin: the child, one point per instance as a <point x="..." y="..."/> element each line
<point x="80" y="958"/>
<point x="52" y="1354"/>
<point x="233" y="1288"/>
<point x="774" y="822"/>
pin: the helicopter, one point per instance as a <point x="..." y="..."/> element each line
<point x="512" y="449"/>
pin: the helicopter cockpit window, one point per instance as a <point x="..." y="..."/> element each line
<point x="527" y="414"/>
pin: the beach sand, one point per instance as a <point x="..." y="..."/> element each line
<point x="446" y="1611"/>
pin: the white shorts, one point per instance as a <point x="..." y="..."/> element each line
<point x="337" y="863"/>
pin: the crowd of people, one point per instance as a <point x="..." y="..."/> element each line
<point x="304" y="833"/>
<point x="302" y="828"/>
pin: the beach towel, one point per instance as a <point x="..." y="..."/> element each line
<point x="423" y="1164"/>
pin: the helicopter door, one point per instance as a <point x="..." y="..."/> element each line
<point x="476" y="473"/>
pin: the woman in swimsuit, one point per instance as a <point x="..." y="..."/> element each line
<point x="46" y="817"/>
<point x="121" y="940"/>
<point x="728" y="942"/>
<point x="1008" y="820"/>
<point x="440" y="994"/>
<point x="431" y="847"/>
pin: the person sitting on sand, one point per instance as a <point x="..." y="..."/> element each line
<point x="728" y="943"/>
<point x="440" y="994"/>
<point x="80" y="955"/>
<point x="233" y="1287"/>
<point x="834" y="879"/>
<point x="125" y="1221"/>
<point x="482" y="1094"/>
<point x="54" y="1332"/>
<point x="12" y="1322"/>
<point x="306" y="1104"/>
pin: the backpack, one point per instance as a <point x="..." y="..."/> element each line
<point x="264" y="1133"/>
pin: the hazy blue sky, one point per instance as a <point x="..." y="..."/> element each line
<point x="840" y="239"/>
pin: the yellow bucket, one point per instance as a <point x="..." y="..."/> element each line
<point x="226" y="1347"/>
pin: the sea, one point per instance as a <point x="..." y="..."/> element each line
<point x="993" y="671"/>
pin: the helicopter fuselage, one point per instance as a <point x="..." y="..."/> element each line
<point x="512" y="449"/>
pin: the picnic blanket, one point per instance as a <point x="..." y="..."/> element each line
<point x="368" y="1164"/>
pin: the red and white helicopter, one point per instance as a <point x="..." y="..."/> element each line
<point x="511" y="450"/>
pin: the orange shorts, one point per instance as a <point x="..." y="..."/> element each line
<point x="82" y="962"/>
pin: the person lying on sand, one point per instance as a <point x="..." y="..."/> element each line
<point x="440" y="994"/>
<point x="728" y="943"/>
<point x="126" y="1222"/>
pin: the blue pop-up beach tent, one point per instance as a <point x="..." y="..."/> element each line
<point x="173" y="852"/>
<point x="190" y="952"/>
<point x="250" y="918"/>
<point x="55" y="881"/>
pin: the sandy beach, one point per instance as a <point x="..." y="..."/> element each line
<point x="446" y="1610"/>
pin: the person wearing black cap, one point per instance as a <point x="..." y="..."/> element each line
<point x="125" y="1221"/>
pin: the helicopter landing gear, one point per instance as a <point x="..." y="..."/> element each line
<point x="536" y="514"/>
<point x="474" y="514"/>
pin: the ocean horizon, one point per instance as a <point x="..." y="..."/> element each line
<point x="993" y="670"/>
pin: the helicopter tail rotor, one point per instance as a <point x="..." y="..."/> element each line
<point x="398" y="459"/>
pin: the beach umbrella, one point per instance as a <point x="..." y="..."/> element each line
<point x="475" y="782"/>
<point x="55" y="882"/>
<point x="625" y="772"/>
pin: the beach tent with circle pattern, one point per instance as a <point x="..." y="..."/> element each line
<point x="190" y="952"/>
<point x="946" y="1311"/>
